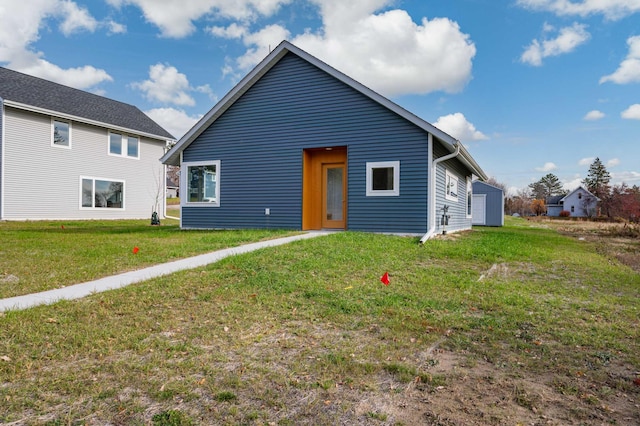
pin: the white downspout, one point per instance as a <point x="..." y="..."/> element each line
<point x="432" y="185"/>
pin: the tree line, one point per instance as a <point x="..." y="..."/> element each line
<point x="619" y="201"/>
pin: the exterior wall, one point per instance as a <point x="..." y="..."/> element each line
<point x="260" y="142"/>
<point x="580" y="205"/>
<point x="457" y="211"/>
<point x="43" y="182"/>
<point x="494" y="214"/>
<point x="554" y="210"/>
<point x="1" y="156"/>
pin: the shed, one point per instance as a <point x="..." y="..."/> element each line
<point x="488" y="205"/>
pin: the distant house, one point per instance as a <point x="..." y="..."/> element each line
<point x="70" y="154"/>
<point x="299" y="145"/>
<point x="172" y="189"/>
<point x="579" y="203"/>
<point x="488" y="205"/>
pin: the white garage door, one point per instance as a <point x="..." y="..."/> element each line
<point x="479" y="209"/>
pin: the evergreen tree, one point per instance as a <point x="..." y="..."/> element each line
<point x="546" y="187"/>
<point x="552" y="185"/>
<point x="537" y="190"/>
<point x="597" y="180"/>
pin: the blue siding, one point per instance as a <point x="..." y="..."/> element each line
<point x="494" y="214"/>
<point x="1" y="150"/>
<point x="260" y="141"/>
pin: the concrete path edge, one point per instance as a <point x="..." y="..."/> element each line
<point x="78" y="291"/>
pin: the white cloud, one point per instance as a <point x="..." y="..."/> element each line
<point x="613" y="162"/>
<point x="176" y="121"/>
<point x="116" y="28"/>
<point x="572" y="184"/>
<point x="548" y="167"/>
<point x="568" y="39"/>
<point x="611" y="9"/>
<point x="21" y="23"/>
<point x="457" y="126"/>
<point x="166" y="85"/>
<point x="629" y="69"/>
<point x="386" y="51"/>
<point x="630" y="178"/>
<point x="632" y="113"/>
<point x="175" y="18"/>
<point x="594" y="115"/>
<point x="76" y="19"/>
<point x="586" y="161"/>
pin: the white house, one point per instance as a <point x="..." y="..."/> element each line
<point x="579" y="203"/>
<point x="70" y="154"/>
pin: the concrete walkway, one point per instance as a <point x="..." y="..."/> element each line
<point x="117" y="281"/>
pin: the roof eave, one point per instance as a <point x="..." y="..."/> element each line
<point x="76" y="118"/>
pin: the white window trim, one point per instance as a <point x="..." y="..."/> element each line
<point x="53" y="120"/>
<point x="184" y="185"/>
<point x="395" y="192"/>
<point x="94" y="179"/>
<point x="124" y="147"/>
<point x="447" y="178"/>
<point x="469" y="204"/>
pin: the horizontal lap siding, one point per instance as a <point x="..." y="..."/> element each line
<point x="1" y="149"/>
<point x="457" y="209"/>
<point x="260" y="142"/>
<point x="43" y="182"/>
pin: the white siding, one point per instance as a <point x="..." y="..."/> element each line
<point x="43" y="181"/>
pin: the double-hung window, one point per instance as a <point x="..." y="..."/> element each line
<point x="60" y="133"/>
<point x="124" y="145"/>
<point x="450" y="186"/>
<point x="202" y="183"/>
<point x="383" y="179"/>
<point x="99" y="193"/>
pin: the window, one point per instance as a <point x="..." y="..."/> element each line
<point x="202" y="181"/>
<point x="579" y="195"/>
<point x="123" y="145"/>
<point x="383" y="179"/>
<point x="102" y="193"/>
<point x="451" y="186"/>
<point x="469" y="196"/>
<point x="573" y="210"/>
<point x="60" y="133"/>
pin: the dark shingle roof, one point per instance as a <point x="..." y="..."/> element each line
<point x="555" y="199"/>
<point x="40" y="93"/>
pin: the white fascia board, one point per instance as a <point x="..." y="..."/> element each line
<point x="58" y="114"/>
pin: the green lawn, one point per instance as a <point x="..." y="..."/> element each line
<point x="307" y="334"/>
<point x="38" y="256"/>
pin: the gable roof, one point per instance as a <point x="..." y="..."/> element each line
<point x="173" y="156"/>
<point x="554" y="200"/>
<point x="486" y="185"/>
<point x="36" y="94"/>
<point x="576" y="190"/>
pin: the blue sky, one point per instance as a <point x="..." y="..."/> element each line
<point x="529" y="86"/>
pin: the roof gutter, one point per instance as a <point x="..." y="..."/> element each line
<point x="432" y="185"/>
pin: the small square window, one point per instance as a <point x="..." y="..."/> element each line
<point x="61" y="133"/>
<point x="383" y="179"/>
<point x="202" y="182"/>
<point x="451" y="186"/>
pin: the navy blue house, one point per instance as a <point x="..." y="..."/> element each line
<point x="299" y="145"/>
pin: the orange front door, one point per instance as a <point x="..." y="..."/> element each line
<point x="324" y="195"/>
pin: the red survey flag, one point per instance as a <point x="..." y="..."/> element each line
<point x="136" y="250"/>
<point x="385" y="279"/>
